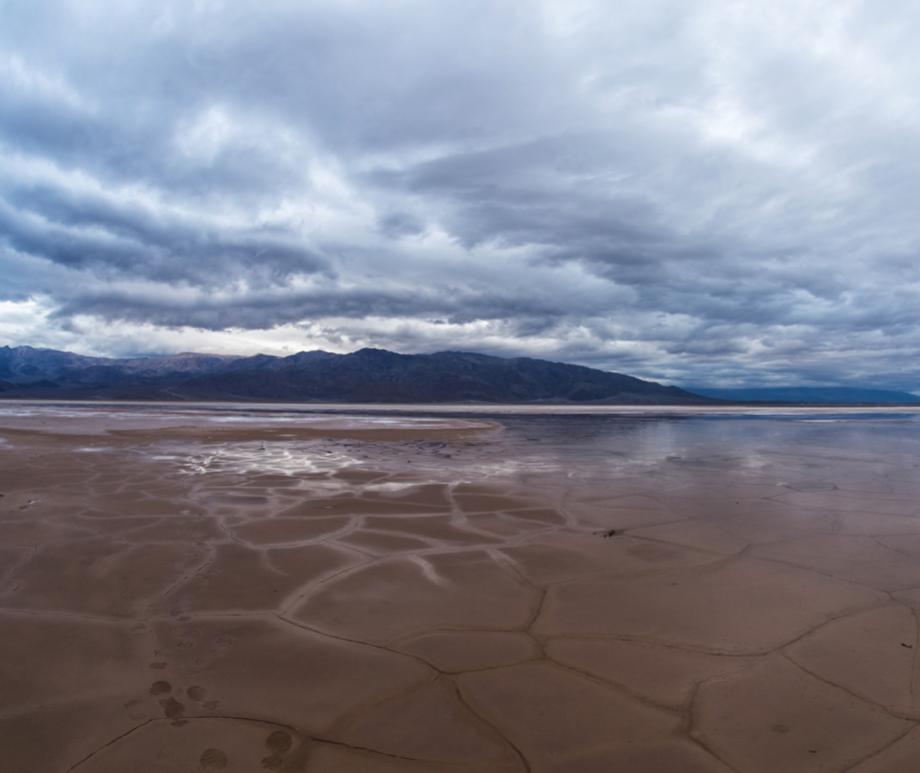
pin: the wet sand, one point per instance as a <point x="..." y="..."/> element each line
<point x="191" y="590"/>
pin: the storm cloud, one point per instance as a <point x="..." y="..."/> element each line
<point x="714" y="192"/>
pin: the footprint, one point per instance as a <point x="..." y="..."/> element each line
<point x="278" y="743"/>
<point x="213" y="759"/>
<point x="172" y="709"/>
<point x="196" y="693"/>
<point x="160" y="688"/>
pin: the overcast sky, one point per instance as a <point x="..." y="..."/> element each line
<point x="706" y="192"/>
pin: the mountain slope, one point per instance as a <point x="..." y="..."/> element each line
<point x="368" y="375"/>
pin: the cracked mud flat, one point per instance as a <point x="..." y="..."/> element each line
<point x="191" y="590"/>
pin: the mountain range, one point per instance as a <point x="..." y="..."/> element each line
<point x="374" y="375"/>
<point x="367" y="375"/>
<point x="836" y="395"/>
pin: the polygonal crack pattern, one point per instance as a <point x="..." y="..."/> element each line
<point x="396" y="604"/>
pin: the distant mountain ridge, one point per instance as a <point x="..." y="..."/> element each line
<point x="367" y="375"/>
<point x="811" y="395"/>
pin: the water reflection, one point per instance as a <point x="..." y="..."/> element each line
<point x="641" y="441"/>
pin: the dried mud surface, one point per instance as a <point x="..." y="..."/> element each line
<point x="179" y="595"/>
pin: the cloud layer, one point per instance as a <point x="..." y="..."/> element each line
<point x="710" y="192"/>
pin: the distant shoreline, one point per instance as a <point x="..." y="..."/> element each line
<point x="736" y="409"/>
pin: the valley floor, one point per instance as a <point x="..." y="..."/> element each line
<point x="211" y="592"/>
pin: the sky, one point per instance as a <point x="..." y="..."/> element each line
<point x="713" y="192"/>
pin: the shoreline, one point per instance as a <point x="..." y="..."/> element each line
<point x="473" y="409"/>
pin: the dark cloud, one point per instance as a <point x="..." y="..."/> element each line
<point x="102" y="232"/>
<point x="702" y="192"/>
